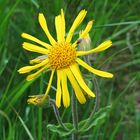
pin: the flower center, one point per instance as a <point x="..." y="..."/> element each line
<point x="61" y="55"/>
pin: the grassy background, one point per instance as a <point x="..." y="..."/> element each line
<point x="116" y="20"/>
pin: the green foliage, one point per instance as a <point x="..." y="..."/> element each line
<point x="116" y="20"/>
<point x="97" y="119"/>
<point x="60" y="130"/>
<point x="84" y="126"/>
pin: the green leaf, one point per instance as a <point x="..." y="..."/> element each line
<point x="85" y="125"/>
<point x="60" y="130"/>
<point x="97" y="119"/>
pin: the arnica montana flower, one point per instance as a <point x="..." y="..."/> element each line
<point x="62" y="57"/>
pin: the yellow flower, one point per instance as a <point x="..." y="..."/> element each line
<point x="62" y="57"/>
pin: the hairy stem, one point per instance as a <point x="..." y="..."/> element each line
<point x="74" y="117"/>
<point x="97" y="99"/>
<point x="57" y="115"/>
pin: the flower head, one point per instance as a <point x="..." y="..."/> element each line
<point x="62" y="57"/>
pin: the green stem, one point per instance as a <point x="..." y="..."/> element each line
<point x="96" y="106"/>
<point x="97" y="99"/>
<point x="74" y="136"/>
<point x="74" y="117"/>
<point x="57" y="115"/>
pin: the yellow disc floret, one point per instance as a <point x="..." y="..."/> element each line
<point x="61" y="55"/>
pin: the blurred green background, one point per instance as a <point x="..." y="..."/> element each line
<point x="118" y="20"/>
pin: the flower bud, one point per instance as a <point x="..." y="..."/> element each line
<point x="38" y="100"/>
<point x="84" y="43"/>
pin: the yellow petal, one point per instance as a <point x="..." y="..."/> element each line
<point x="86" y="30"/>
<point x="44" y="97"/>
<point x="63" y="24"/>
<point x="34" y="75"/>
<point x="60" y="26"/>
<point x="34" y="48"/>
<point x="59" y="91"/>
<point x="84" y="41"/>
<point x="105" y="45"/>
<point x="38" y="59"/>
<point x="95" y="71"/>
<point x="43" y="24"/>
<point x="78" y="92"/>
<point x="27" y="69"/>
<point x="49" y="85"/>
<point x="65" y="92"/>
<point x="75" y="24"/>
<point x="80" y="80"/>
<point x="32" y="38"/>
